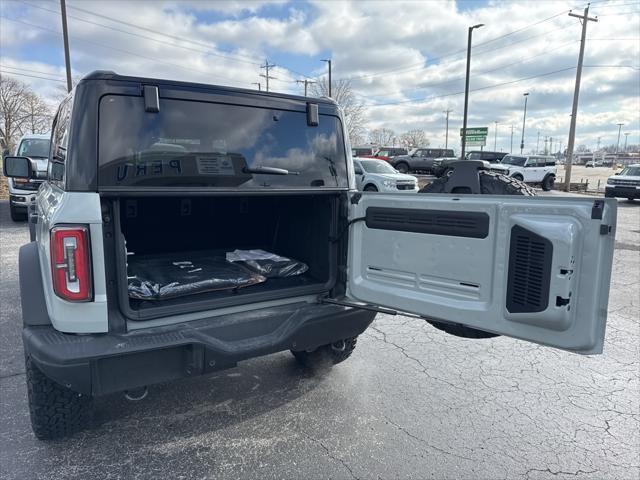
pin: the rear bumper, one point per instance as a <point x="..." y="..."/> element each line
<point x="99" y="364"/>
<point x="621" y="191"/>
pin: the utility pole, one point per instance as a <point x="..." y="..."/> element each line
<point x="495" y="136"/>
<point x="538" y="144"/>
<point x="546" y="145"/>
<point x="524" y="119"/>
<point x="618" y="142"/>
<point x="511" y="149"/>
<point x="266" y="75"/>
<point x="466" y="89"/>
<point x="306" y="82"/>
<point x="598" y="147"/>
<point x="446" y="135"/>
<point x="626" y="135"/>
<point x="585" y="19"/>
<point x="551" y="145"/>
<point x="65" y="38"/>
<point x="329" y="63"/>
<point x="259" y="86"/>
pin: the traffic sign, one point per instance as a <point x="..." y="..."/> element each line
<point x="476" y="143"/>
<point x="475" y="138"/>
<point x="475" y="131"/>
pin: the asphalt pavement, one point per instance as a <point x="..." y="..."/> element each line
<point x="412" y="402"/>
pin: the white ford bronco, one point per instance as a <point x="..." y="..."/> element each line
<point x="184" y="228"/>
<point x="531" y="169"/>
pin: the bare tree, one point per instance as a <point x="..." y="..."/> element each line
<point x="342" y="92"/>
<point x="414" y="138"/>
<point x="382" y="136"/>
<point x="13" y="95"/>
<point x="37" y="113"/>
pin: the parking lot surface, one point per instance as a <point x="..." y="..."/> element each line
<point x="412" y="402"/>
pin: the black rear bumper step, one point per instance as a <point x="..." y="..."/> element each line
<point x="99" y="364"/>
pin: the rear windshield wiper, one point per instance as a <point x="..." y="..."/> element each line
<point x="269" y="171"/>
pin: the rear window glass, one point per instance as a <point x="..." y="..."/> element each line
<point x="215" y="145"/>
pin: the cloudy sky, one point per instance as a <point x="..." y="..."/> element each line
<point x="405" y="60"/>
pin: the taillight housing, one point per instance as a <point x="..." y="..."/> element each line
<point x="71" y="263"/>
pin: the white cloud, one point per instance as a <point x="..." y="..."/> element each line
<point x="418" y="46"/>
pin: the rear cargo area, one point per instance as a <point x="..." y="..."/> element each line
<point x="175" y="251"/>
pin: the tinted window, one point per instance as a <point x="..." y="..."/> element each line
<point x="448" y="153"/>
<point x="34" y="147"/>
<point x="377" y="166"/>
<point x="513" y="160"/>
<point x="357" y="169"/>
<point x="215" y="145"/>
<point x="59" y="140"/>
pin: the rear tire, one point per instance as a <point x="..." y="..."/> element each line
<point x="326" y="356"/>
<point x="55" y="411"/>
<point x="403" y="167"/>
<point x="548" y="182"/>
<point x="518" y="177"/>
<point x="370" y="188"/>
<point x="491" y="183"/>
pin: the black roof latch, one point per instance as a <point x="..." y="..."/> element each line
<point x="596" y="210"/>
<point x="151" y="98"/>
<point x="313" y="118"/>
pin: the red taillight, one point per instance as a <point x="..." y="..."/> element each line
<point x="71" y="263"/>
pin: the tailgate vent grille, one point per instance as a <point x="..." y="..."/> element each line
<point x="530" y="257"/>
<point x="434" y="222"/>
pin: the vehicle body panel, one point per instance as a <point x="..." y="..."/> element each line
<point x="448" y="258"/>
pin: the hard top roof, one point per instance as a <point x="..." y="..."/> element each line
<point x="112" y="76"/>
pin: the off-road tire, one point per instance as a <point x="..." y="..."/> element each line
<point x="402" y="167"/>
<point x="15" y="215"/>
<point x="518" y="177"/>
<point x="491" y="183"/>
<point x="56" y="411"/>
<point x="326" y="356"/>
<point x="370" y="188"/>
<point x="548" y="182"/>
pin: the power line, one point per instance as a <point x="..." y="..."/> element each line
<point x="208" y="51"/>
<point x="57" y="32"/>
<point x="472" y="90"/>
<point x="32" y="76"/>
<point x="457" y="52"/>
<point x="31" y="70"/>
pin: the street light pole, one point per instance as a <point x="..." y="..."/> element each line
<point x="524" y="119"/>
<point x="618" y="142"/>
<point x="495" y="137"/>
<point x="538" y="144"/>
<point x="466" y="89"/>
<point x="446" y="135"/>
<point x="626" y="135"/>
<point x="511" y="148"/>
<point x="329" y="63"/>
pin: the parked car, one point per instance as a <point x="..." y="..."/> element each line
<point x="531" y="169"/>
<point x="420" y="159"/>
<point x="22" y="191"/>
<point x="154" y="192"/>
<point x="362" y="151"/>
<point x="387" y="153"/>
<point x="624" y="184"/>
<point x="374" y="175"/>
<point x="441" y="166"/>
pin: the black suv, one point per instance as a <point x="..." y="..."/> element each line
<point x="420" y="159"/>
<point x="443" y="166"/>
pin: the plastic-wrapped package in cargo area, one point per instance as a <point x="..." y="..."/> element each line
<point x="159" y="277"/>
<point x="268" y="264"/>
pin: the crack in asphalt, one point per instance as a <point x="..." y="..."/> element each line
<point x="330" y="455"/>
<point x="559" y="472"/>
<point x="421" y="440"/>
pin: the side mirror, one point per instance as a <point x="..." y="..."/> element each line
<point x="17" y="167"/>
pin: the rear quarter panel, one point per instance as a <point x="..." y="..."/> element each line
<point x="57" y="207"/>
